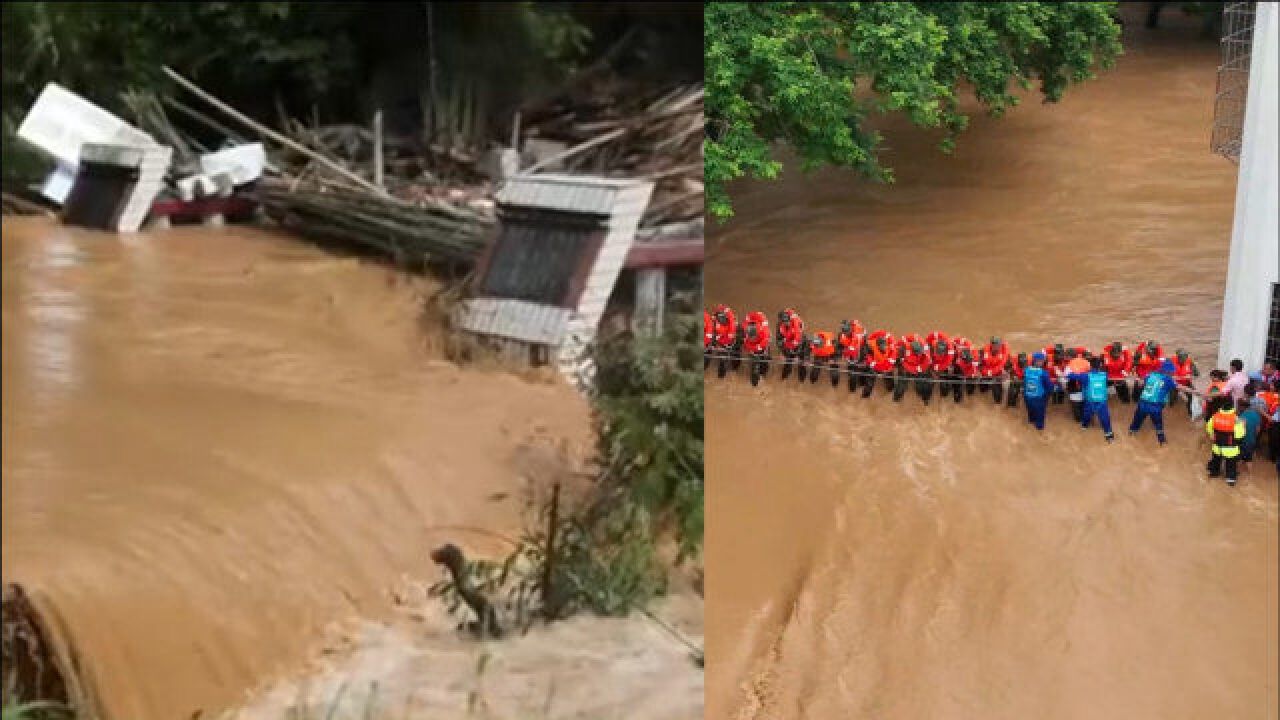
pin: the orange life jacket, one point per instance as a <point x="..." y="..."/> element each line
<point x="1147" y="362"/>
<point x="994" y="362"/>
<point x="1272" y="400"/>
<point x="1182" y="371"/>
<point x="912" y="361"/>
<point x="1224" y="421"/>
<point x="824" y="347"/>
<point x="761" y="324"/>
<point x="1018" y="371"/>
<point x="1051" y="365"/>
<point x="1117" y="368"/>
<point x="968" y="368"/>
<point x="792" y="331"/>
<point x="726" y="332"/>
<point x="944" y="359"/>
<point x="850" y="343"/>
<point x="941" y="360"/>
<point x="882" y="360"/>
<point x="708" y="333"/>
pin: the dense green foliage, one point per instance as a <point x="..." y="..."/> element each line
<point x="810" y="74"/>
<point x="605" y="554"/>
<point x="649" y="413"/>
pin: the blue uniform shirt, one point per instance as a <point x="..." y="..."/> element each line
<point x="1094" y="384"/>
<point x="1036" y="383"/>
<point x="1157" y="389"/>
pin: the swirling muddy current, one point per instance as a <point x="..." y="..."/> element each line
<point x="220" y="442"/>
<point x="868" y="559"/>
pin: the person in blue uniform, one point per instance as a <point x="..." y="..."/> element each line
<point x="1155" y="396"/>
<point x="1036" y="388"/>
<point x="1094" y="384"/>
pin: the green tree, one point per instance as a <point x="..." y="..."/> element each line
<point x="801" y="72"/>
<point x="649" y="414"/>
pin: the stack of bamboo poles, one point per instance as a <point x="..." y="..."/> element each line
<point x="410" y="234"/>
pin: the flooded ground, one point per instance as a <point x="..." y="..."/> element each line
<point x="873" y="560"/>
<point x="218" y="443"/>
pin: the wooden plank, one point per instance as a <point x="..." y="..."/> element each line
<point x="666" y="253"/>
<point x="268" y="132"/>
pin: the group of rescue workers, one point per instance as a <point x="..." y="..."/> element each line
<point x="1054" y="374"/>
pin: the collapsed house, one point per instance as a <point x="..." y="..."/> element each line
<point x="544" y="280"/>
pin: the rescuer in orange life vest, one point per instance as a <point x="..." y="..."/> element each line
<point x="728" y="338"/>
<point x="1227" y="432"/>
<point x="1147" y="359"/>
<point x="756" y="344"/>
<point x="992" y="361"/>
<point x="1055" y="364"/>
<point x="882" y="359"/>
<point x="822" y="353"/>
<point x="851" y="344"/>
<point x="1118" y="362"/>
<point x="1184" y="369"/>
<point x="791" y="342"/>
<point x="943" y="356"/>
<point x="915" y="364"/>
<point x="967" y="368"/>
<point x="708" y="338"/>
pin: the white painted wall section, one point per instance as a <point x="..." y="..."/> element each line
<point x="1255" y="241"/>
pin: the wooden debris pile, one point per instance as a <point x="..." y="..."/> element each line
<point x="398" y="198"/>
<point x="617" y="131"/>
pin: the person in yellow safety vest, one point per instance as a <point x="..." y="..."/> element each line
<point x="1227" y="433"/>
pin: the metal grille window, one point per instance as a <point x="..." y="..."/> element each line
<point x="540" y="261"/>
<point x="1273" y="334"/>
<point x="1233" y="79"/>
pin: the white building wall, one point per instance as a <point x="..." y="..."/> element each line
<point x="1255" y="243"/>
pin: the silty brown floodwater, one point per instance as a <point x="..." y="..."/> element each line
<point x="219" y="442"/>
<point x="867" y="559"/>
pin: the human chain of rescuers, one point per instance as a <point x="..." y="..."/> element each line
<point x="1054" y="374"/>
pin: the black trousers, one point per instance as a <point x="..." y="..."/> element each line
<point x="1077" y="406"/>
<point x="790" y="360"/>
<point x="1015" y="390"/>
<point x="759" y="367"/>
<point x="1216" y="463"/>
<point x="997" y="390"/>
<point x="924" y="388"/>
<point x="962" y="386"/>
<point x="1122" y="390"/>
<point x="731" y="358"/>
<point x="869" y="382"/>
<point x="858" y="375"/>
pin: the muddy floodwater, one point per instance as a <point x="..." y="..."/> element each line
<point x="898" y="562"/>
<point x="219" y="442"/>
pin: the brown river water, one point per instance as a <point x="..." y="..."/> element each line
<point x="218" y="443"/>
<point x="873" y="560"/>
